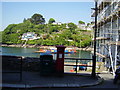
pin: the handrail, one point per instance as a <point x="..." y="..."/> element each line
<point x="77" y="62"/>
<point x="77" y="58"/>
<point x="75" y="65"/>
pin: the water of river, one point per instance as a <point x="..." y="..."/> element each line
<point x="30" y="52"/>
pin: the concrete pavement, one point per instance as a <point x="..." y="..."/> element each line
<point x="34" y="80"/>
<point x="107" y="81"/>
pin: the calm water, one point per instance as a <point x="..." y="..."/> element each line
<point x="29" y="52"/>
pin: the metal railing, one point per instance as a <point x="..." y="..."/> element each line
<point x="76" y="62"/>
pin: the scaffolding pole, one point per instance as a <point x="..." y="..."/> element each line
<point x="116" y="48"/>
<point x="111" y="59"/>
<point x="109" y="27"/>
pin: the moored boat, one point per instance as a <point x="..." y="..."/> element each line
<point x="40" y="51"/>
<point x="54" y="51"/>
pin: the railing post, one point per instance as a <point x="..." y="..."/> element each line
<point x="76" y="66"/>
<point x="21" y="70"/>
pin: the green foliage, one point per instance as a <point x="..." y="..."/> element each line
<point x="81" y="22"/>
<point x="88" y="24"/>
<point x="0" y="37"/>
<point x="10" y="29"/>
<point x="39" y="42"/>
<point x="51" y="20"/>
<point x="31" y="42"/>
<point x="10" y="38"/>
<point x="37" y="19"/>
<point x="53" y="28"/>
<point x="24" y="20"/>
<point x="72" y="26"/>
<point x="50" y="34"/>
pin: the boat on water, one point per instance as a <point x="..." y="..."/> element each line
<point x="54" y="51"/>
<point x="40" y="51"/>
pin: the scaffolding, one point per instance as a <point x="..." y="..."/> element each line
<point x="108" y="34"/>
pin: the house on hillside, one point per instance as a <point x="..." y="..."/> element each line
<point x="82" y="26"/>
<point x="85" y="27"/>
<point x="89" y="27"/>
<point x="29" y="36"/>
<point x="57" y="23"/>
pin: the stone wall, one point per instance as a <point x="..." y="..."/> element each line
<point x="14" y="63"/>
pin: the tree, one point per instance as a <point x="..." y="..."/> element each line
<point x="9" y="28"/>
<point x="53" y="28"/>
<point x="37" y="19"/>
<point x="0" y="36"/>
<point x="88" y="24"/>
<point x="24" y="20"/>
<point x="72" y="26"/>
<point x="51" y="20"/>
<point x="13" y="38"/>
<point x="67" y="34"/>
<point x="10" y="38"/>
<point x="81" y="22"/>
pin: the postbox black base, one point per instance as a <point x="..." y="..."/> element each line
<point x="60" y="73"/>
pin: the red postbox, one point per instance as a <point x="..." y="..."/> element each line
<point x="60" y="60"/>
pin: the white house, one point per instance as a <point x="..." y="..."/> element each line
<point x="57" y="23"/>
<point x="85" y="27"/>
<point x="82" y="26"/>
<point x="29" y="36"/>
